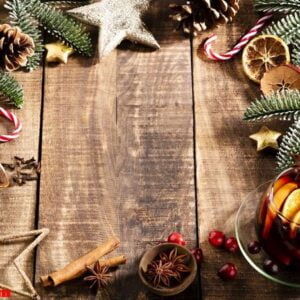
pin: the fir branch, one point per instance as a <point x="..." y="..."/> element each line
<point x="19" y="17"/>
<point x="296" y="56"/>
<point x="284" y="105"/>
<point x="277" y="5"/>
<point x="289" y="146"/>
<point x="61" y="26"/>
<point x="286" y="28"/>
<point x="11" y="90"/>
<point x="296" y="50"/>
<point x="67" y="4"/>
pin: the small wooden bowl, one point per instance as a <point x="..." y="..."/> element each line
<point x="152" y="253"/>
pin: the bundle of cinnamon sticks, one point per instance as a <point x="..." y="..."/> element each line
<point x="79" y="266"/>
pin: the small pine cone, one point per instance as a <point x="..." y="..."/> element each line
<point x="15" y="47"/>
<point x="198" y="15"/>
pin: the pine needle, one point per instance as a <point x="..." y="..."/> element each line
<point x="61" y="26"/>
<point x="11" y="90"/>
<point x="284" y="105"/>
<point x="289" y="146"/>
<point x="286" y="28"/>
<point x="277" y="5"/>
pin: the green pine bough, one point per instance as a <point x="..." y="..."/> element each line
<point x="288" y="26"/>
<point x="11" y="90"/>
<point x="289" y="147"/>
<point x="29" y="15"/>
<point x="20" y="17"/>
<point x="284" y="105"/>
<point x="61" y="26"/>
<point x="277" y="5"/>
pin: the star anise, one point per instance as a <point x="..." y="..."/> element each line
<point x="99" y="276"/>
<point x="177" y="261"/>
<point x="166" y="267"/>
<point x="160" y="273"/>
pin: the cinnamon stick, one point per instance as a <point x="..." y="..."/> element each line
<point x="77" y="267"/>
<point x="113" y="262"/>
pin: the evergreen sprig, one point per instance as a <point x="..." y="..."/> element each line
<point x="277" y="5"/>
<point x="284" y="105"/>
<point x="289" y="146"/>
<point x="11" y="90"/>
<point x="286" y="28"/>
<point x="296" y="50"/>
<point x="61" y="26"/>
<point x="20" y="17"/>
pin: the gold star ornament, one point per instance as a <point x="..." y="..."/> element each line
<point x="19" y="261"/>
<point x="58" y="52"/>
<point x="266" y="138"/>
<point x="117" y="20"/>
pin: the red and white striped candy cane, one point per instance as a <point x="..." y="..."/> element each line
<point x="18" y="126"/>
<point x="239" y="46"/>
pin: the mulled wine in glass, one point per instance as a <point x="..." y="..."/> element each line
<point x="278" y="219"/>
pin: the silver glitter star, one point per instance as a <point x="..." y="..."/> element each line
<point x="118" y="20"/>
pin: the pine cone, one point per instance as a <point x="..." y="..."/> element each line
<point x="198" y="15"/>
<point x="15" y="47"/>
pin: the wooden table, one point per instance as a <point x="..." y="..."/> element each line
<point x="140" y="144"/>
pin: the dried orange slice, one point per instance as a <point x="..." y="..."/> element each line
<point x="262" y="54"/>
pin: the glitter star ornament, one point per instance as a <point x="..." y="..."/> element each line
<point x="117" y="20"/>
<point x="58" y="52"/>
<point x="266" y="138"/>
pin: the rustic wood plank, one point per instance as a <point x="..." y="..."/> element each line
<point x="118" y="148"/>
<point x="228" y="166"/>
<point x="18" y="204"/>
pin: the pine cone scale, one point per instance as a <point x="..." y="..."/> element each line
<point x="198" y="15"/>
<point x="15" y="47"/>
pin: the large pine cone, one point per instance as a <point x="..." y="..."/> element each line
<point x="15" y="47"/>
<point x="198" y="15"/>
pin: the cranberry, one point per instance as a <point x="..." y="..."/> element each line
<point x="254" y="247"/>
<point x="228" y="271"/>
<point x="231" y="245"/>
<point x="270" y="266"/>
<point x="197" y="252"/>
<point x="176" y="238"/>
<point x="216" y="238"/>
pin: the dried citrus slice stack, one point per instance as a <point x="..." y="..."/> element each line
<point x="262" y="54"/>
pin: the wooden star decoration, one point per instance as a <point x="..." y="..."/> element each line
<point x="58" y="52"/>
<point x="117" y="21"/>
<point x="40" y="235"/>
<point x="266" y="138"/>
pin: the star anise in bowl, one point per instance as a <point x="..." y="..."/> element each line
<point x="168" y="269"/>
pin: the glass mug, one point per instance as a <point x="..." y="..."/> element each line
<point x="278" y="219"/>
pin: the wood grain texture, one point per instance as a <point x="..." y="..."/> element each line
<point x="155" y="130"/>
<point x="118" y="148"/>
<point x="228" y="166"/>
<point x="18" y="204"/>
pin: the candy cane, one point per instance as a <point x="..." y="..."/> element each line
<point x="239" y="46"/>
<point x="18" y="126"/>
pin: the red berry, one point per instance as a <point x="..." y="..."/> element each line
<point x="176" y="238"/>
<point x="216" y="238"/>
<point x="231" y="245"/>
<point x="228" y="271"/>
<point x="197" y="252"/>
<point x="254" y="247"/>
